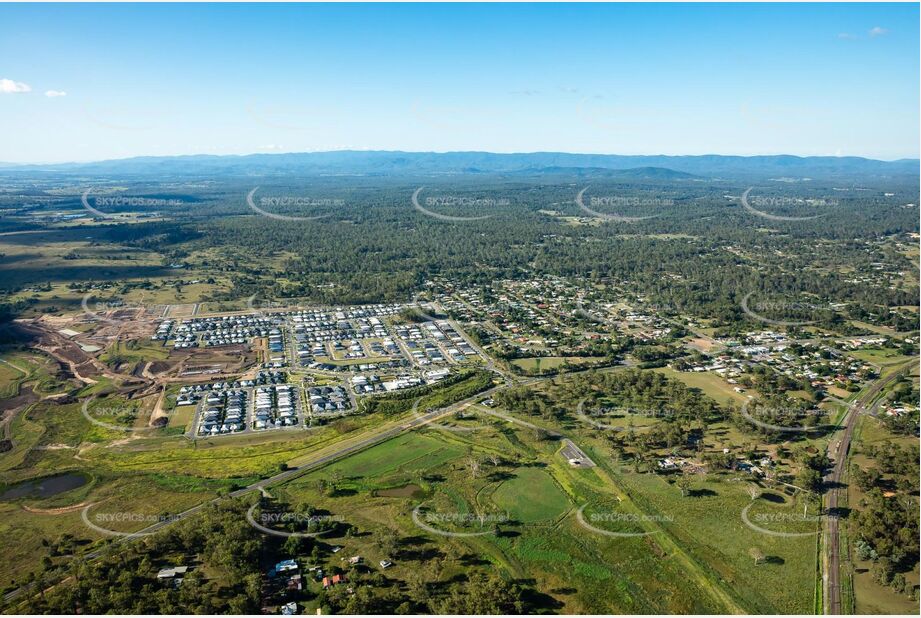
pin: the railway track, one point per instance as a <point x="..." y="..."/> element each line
<point x="832" y="583"/>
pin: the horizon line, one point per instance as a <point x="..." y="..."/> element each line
<point x="441" y="152"/>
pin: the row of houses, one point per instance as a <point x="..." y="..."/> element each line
<point x="394" y="364"/>
<point x="163" y="331"/>
<point x="328" y="400"/>
<point x="262" y="377"/>
<point x="215" y="331"/>
<point x="323" y="326"/>
<point x="223" y="412"/>
<point x="366" y="384"/>
<point x="275" y="406"/>
<point x="430" y="342"/>
<point x="276" y="343"/>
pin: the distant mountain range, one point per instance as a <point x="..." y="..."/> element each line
<point x="396" y="163"/>
<point x="632" y="173"/>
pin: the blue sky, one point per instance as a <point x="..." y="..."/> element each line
<point x="807" y="79"/>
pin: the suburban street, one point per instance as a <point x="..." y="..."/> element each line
<point x="389" y="319"/>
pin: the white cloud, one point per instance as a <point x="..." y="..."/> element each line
<point x="878" y="31"/>
<point x="55" y="93"/>
<point x="847" y="36"/>
<point x="8" y="86"/>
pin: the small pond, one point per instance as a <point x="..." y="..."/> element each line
<point x="45" y="487"/>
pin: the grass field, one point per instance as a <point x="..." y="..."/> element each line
<point x="580" y="570"/>
<point x="116" y="503"/>
<point x="65" y="254"/>
<point x="871" y="597"/>
<point x="695" y="558"/>
<point x="709" y="525"/>
<point x="710" y="384"/>
<point x="406" y="453"/>
<point x="882" y="330"/>
<point x="882" y="357"/>
<point x="181" y="417"/>
<point x="136" y="478"/>
<point x="546" y="363"/>
<point x="11" y="376"/>
<point x="135" y="351"/>
<point x="531" y="496"/>
<point x="20" y="367"/>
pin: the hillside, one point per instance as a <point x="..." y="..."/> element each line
<point x="390" y="163"/>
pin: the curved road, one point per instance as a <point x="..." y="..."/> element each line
<point x="376" y="436"/>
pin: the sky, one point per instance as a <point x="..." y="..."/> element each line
<point x="92" y="82"/>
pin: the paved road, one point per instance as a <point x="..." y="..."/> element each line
<point x="375" y="437"/>
<point x="490" y="362"/>
<point x="572" y="452"/>
<point x="839" y="454"/>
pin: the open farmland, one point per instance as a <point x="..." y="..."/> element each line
<point x="338" y="310"/>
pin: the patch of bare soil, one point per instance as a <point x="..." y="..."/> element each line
<point x="57" y="511"/>
<point x="701" y="344"/>
<point x="158" y="411"/>
<point x="158" y="367"/>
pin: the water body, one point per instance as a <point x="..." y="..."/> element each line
<point x="45" y="487"/>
